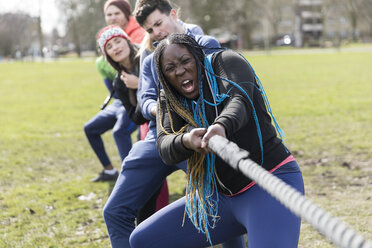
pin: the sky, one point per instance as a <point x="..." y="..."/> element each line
<point x="50" y="16"/>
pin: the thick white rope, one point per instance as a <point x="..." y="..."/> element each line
<point x="333" y="229"/>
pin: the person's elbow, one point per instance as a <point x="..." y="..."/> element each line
<point x="165" y="155"/>
<point x="146" y="110"/>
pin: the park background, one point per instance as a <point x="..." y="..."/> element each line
<point x="320" y="93"/>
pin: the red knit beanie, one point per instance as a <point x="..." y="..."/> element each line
<point x="108" y="33"/>
<point x="121" y="4"/>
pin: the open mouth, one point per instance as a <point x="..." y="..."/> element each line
<point x="188" y="86"/>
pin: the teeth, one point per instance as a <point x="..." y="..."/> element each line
<point x="186" y="81"/>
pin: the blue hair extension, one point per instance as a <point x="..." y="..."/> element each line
<point x="260" y="88"/>
<point x="209" y="180"/>
<point x="263" y="93"/>
<point x="212" y="77"/>
<point x="207" y="213"/>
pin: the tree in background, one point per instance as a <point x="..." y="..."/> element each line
<point x="83" y="20"/>
<point x="352" y="10"/>
<point x="275" y="13"/>
<point x="350" y="15"/>
<point x="235" y="16"/>
<point x="20" y="41"/>
<point x="367" y="12"/>
<point x="244" y="18"/>
<point x="247" y="19"/>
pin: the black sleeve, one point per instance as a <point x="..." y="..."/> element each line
<point x="170" y="146"/>
<point x="134" y="111"/>
<point x="232" y="66"/>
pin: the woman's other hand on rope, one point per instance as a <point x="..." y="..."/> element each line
<point x="215" y="129"/>
<point x="130" y="80"/>
<point x="193" y="139"/>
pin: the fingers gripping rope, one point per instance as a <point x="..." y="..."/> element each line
<point x="333" y="229"/>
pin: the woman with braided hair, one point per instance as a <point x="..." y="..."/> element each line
<point x="203" y="96"/>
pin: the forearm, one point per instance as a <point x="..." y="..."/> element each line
<point x="147" y="91"/>
<point x="171" y="148"/>
<point x="148" y="107"/>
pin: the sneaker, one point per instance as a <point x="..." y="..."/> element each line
<point x="104" y="177"/>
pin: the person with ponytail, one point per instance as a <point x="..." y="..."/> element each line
<point x="218" y="94"/>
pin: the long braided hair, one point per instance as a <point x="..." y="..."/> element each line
<point x="201" y="175"/>
<point x="201" y="172"/>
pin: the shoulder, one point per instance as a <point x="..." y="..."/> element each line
<point x="105" y="69"/>
<point x="232" y="64"/>
<point x="195" y="29"/>
<point x="229" y="56"/>
<point x="100" y="61"/>
<point x="207" y="41"/>
<point x="148" y="60"/>
<point x="133" y="25"/>
<point x="135" y="31"/>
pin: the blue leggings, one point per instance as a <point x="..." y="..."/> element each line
<point x="113" y="117"/>
<point x="142" y="173"/>
<point x="267" y="223"/>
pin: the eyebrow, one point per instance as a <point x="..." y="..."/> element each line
<point x="150" y="28"/>
<point x="182" y="57"/>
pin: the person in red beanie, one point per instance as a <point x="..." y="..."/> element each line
<point x="118" y="12"/>
<point x="114" y="115"/>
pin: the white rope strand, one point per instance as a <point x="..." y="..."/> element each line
<point x="333" y="229"/>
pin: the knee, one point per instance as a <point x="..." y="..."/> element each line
<point x="108" y="213"/>
<point x="119" y="133"/>
<point x="115" y="213"/>
<point x="88" y="129"/>
<point x="137" y="239"/>
<point x="105" y="213"/>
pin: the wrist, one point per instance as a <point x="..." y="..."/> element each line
<point x="185" y="140"/>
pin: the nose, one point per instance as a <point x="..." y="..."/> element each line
<point x="115" y="47"/>
<point x="112" y="20"/>
<point x="157" y="33"/>
<point x="180" y="70"/>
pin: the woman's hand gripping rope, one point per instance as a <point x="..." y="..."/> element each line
<point x="198" y="138"/>
<point x="215" y="129"/>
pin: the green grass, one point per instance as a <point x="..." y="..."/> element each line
<point x="321" y="101"/>
<point x="321" y="96"/>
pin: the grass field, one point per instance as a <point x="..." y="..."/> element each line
<point x="322" y="102"/>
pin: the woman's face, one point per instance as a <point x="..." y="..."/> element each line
<point x="118" y="49"/>
<point x="179" y="68"/>
<point x="114" y="16"/>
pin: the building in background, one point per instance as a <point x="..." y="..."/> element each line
<point x="308" y="23"/>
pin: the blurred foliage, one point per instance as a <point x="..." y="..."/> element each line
<point x="83" y="20"/>
<point x="248" y="20"/>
